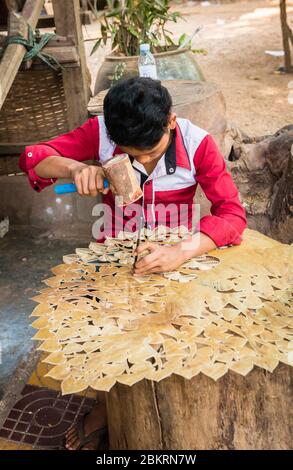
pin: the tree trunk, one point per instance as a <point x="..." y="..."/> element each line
<point x="252" y="412"/>
<point x="262" y="170"/>
<point x="286" y="36"/>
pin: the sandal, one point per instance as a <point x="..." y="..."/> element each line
<point x="101" y="433"/>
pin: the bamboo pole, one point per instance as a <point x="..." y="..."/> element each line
<point x="76" y="86"/>
<point x="14" y="53"/>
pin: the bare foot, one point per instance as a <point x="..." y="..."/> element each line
<point x="96" y="419"/>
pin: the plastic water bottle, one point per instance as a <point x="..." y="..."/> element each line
<point x="146" y="63"/>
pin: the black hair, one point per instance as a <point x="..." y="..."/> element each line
<point x="136" y="112"/>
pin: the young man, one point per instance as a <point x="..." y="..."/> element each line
<point x="170" y="157"/>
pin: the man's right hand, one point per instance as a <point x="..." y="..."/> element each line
<point x="89" y="179"/>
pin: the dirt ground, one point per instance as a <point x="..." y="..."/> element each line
<point x="235" y="36"/>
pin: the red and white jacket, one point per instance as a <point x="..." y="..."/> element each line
<point x="191" y="159"/>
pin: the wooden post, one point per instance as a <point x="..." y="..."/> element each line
<point x="286" y="36"/>
<point x="252" y="412"/>
<point x="15" y="5"/>
<point x="14" y="53"/>
<point x="67" y="21"/>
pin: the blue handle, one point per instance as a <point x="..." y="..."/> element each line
<point x="65" y="188"/>
<point x="71" y="188"/>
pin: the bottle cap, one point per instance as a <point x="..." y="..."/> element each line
<point x="144" y="47"/>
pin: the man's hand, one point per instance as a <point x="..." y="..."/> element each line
<point x="160" y="259"/>
<point x="89" y="179"/>
<point x="169" y="258"/>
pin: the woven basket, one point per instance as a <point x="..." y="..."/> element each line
<point x="35" y="110"/>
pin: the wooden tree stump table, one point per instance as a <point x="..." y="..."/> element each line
<point x="198" y="358"/>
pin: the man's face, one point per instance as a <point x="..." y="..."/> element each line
<point x="150" y="155"/>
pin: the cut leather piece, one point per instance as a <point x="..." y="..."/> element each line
<point x="59" y="372"/>
<point x="55" y="358"/>
<point x="70" y="385"/>
<point x="50" y="345"/>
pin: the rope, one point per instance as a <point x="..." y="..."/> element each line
<point x="34" y="47"/>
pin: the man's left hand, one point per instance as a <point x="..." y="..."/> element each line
<point x="160" y="258"/>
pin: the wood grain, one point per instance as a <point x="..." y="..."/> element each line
<point x="252" y="412"/>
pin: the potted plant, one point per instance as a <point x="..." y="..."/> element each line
<point x="129" y="23"/>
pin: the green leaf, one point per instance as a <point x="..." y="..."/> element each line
<point x="199" y="51"/>
<point x="96" y="46"/>
<point x="133" y="31"/>
<point x="169" y="40"/>
<point x="182" y="39"/>
<point x="115" y="12"/>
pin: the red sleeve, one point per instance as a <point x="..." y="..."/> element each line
<point x="227" y="220"/>
<point x="80" y="144"/>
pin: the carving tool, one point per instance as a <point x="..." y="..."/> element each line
<point x="141" y="226"/>
<point x="120" y="177"/>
